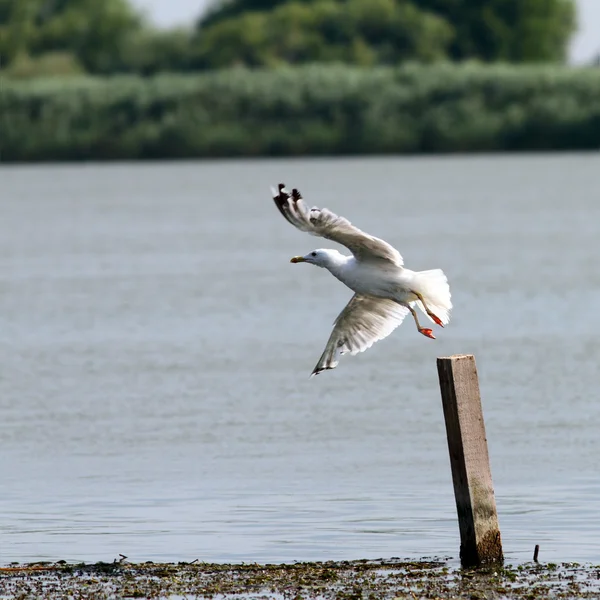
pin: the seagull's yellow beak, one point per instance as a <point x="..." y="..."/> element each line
<point x="297" y="259"/>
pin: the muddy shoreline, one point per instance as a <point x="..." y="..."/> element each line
<point x="393" y="578"/>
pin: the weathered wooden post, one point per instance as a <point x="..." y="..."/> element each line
<point x="480" y="540"/>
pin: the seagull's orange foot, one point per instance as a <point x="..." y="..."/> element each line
<point x="427" y="332"/>
<point x="436" y="319"/>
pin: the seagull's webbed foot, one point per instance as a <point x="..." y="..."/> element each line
<point x="424" y="330"/>
<point x="433" y="317"/>
<point x="436" y="319"/>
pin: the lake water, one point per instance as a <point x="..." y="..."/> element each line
<point x="156" y="343"/>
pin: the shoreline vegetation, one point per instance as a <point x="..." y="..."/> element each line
<point x="381" y="579"/>
<point x="312" y="110"/>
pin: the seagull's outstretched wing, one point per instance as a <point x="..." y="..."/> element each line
<point x="364" y="321"/>
<point x="323" y="223"/>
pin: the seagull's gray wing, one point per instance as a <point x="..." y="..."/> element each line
<point x="364" y="321"/>
<point x="323" y="223"/>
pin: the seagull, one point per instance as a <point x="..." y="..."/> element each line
<point x="384" y="290"/>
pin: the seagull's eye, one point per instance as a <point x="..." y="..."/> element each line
<point x="313" y="253"/>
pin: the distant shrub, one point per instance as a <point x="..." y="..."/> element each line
<point x="49" y="64"/>
<point x="149" y="51"/>
<point x="302" y="111"/>
<point x="356" y="32"/>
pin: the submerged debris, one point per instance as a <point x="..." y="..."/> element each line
<point x="361" y="579"/>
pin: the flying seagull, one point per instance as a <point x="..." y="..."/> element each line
<point x="384" y="291"/>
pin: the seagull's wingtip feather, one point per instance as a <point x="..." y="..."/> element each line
<point x="318" y="370"/>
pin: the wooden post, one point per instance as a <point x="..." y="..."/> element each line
<point x="480" y="540"/>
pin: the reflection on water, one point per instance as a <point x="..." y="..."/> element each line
<point x="156" y="345"/>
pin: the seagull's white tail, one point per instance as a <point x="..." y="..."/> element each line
<point x="434" y="288"/>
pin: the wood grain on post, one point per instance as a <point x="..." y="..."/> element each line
<point x="469" y="460"/>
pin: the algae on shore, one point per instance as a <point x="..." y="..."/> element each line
<point x="368" y="579"/>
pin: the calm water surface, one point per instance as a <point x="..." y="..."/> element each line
<point x="155" y="347"/>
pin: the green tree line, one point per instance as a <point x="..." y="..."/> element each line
<point x="40" y="37"/>
<point x="315" y="109"/>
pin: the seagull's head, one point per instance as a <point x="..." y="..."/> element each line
<point x="321" y="258"/>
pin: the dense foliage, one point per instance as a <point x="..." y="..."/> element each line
<point x="296" y="111"/>
<point x="489" y="30"/>
<point x="508" y="30"/>
<point x="94" y="32"/>
<point x="364" y="32"/>
<point x="40" y="37"/>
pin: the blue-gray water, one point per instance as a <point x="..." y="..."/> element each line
<point x="155" y="347"/>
